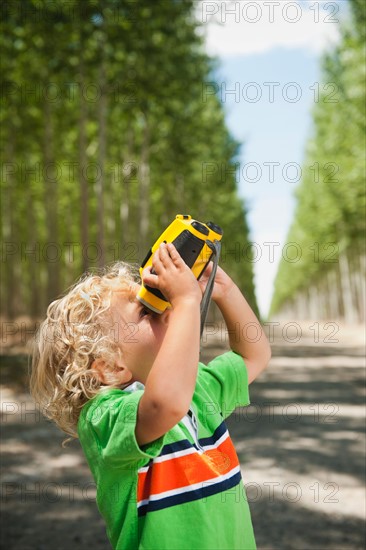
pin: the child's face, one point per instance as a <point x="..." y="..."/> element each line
<point x="139" y="332"/>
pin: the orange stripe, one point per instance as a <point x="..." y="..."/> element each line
<point x="186" y="470"/>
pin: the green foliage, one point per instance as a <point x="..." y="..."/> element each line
<point x="106" y="136"/>
<point x="330" y="212"/>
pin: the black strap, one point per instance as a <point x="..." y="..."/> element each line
<point x="215" y="246"/>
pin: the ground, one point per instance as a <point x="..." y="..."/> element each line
<point x="300" y="444"/>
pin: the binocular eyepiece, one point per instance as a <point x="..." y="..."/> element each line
<point x="195" y="241"/>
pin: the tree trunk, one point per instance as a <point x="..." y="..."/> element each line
<point x="127" y="172"/>
<point x="144" y="194"/>
<point x="10" y="246"/>
<point x="346" y="287"/>
<point x="362" y="286"/>
<point x="82" y="165"/>
<point x="32" y="260"/>
<point x="302" y="305"/>
<point x="102" y="116"/>
<point x="50" y="189"/>
<point x="331" y="294"/>
<point x="357" y="283"/>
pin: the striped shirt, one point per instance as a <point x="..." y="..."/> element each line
<point x="184" y="490"/>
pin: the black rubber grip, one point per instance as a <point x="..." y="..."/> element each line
<point x="189" y="246"/>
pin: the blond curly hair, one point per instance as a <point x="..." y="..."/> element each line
<point x="76" y="331"/>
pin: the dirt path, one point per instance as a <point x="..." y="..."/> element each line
<point x="300" y="443"/>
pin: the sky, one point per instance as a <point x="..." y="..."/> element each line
<point x="268" y="80"/>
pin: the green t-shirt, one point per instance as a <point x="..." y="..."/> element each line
<point x="183" y="491"/>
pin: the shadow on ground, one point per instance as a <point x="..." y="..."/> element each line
<point x="300" y="444"/>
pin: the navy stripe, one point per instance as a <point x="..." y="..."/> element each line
<point x="185" y="444"/>
<point x="177" y="446"/>
<point x="216" y="435"/>
<point x="189" y="496"/>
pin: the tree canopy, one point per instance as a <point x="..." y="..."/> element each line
<point x="329" y="222"/>
<point x="106" y="136"/>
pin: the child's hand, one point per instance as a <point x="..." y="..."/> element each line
<point x="238" y="314"/>
<point x="222" y="285"/>
<point x="172" y="276"/>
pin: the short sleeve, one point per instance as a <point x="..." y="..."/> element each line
<point x="226" y="380"/>
<point x="110" y="421"/>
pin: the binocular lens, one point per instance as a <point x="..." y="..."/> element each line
<point x="215" y="228"/>
<point x="200" y="227"/>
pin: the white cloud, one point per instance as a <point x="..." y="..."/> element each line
<point x="251" y="27"/>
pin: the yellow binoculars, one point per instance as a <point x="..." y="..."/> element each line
<point x="195" y="241"/>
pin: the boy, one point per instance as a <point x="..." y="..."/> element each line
<point x="150" y="418"/>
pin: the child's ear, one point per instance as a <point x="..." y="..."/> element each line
<point x="107" y="375"/>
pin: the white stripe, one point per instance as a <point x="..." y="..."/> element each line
<point x="189" y="488"/>
<point x="185" y="452"/>
<point x="170" y="456"/>
<point x="218" y="442"/>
